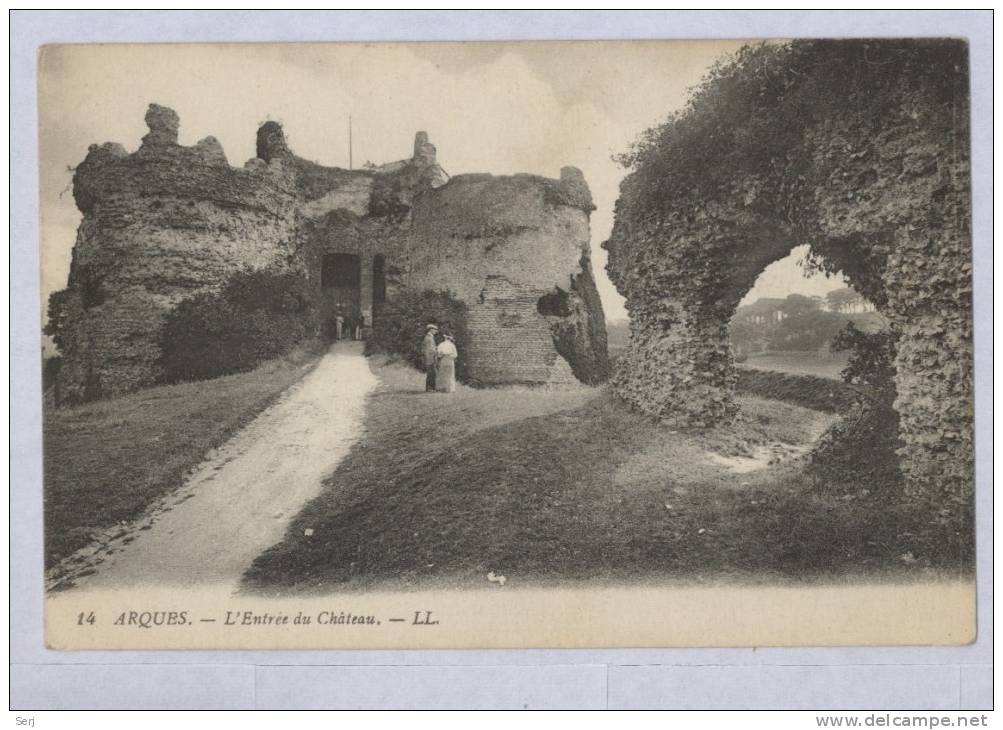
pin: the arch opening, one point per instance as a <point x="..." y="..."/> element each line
<point x="341" y="291"/>
<point x="790" y="319"/>
<point x="879" y="186"/>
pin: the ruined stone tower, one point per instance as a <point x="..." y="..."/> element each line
<point x="168" y="221"/>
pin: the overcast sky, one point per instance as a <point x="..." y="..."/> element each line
<point x="499" y="108"/>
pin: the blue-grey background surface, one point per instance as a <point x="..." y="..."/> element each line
<point x="810" y="678"/>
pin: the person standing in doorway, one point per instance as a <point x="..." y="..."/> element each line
<point x="429" y="354"/>
<point x="339" y="324"/>
<point x="445" y="369"/>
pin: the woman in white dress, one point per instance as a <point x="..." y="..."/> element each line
<point x="445" y="372"/>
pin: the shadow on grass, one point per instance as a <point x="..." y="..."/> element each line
<point x="436" y="491"/>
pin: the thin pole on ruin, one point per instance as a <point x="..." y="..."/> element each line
<point x="350" y="142"/>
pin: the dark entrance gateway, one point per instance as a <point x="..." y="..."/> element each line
<point x="340" y="282"/>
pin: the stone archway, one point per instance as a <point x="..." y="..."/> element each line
<point x="341" y="289"/>
<point x="857" y="148"/>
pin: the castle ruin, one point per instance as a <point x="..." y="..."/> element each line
<point x="879" y="186"/>
<point x="169" y="221"/>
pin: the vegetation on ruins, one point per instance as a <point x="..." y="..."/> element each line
<point x="872" y="357"/>
<point x="399" y="326"/>
<point x="256" y="316"/>
<point x="165" y="228"/>
<point x="859" y="149"/>
<point x="865" y="442"/>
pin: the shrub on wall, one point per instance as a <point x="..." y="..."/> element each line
<point x="399" y="326"/>
<point x="863" y="142"/>
<point x="865" y="441"/>
<point x="872" y="356"/>
<point x="256" y="316"/>
<point x="59" y="322"/>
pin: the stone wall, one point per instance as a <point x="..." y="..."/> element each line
<point x="500" y="244"/>
<point x="169" y="221"/>
<point x="859" y="148"/>
<point x="158" y="225"/>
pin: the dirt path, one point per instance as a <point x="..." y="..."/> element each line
<point x="240" y="500"/>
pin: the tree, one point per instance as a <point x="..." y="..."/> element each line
<point x="796" y="304"/>
<point x="843" y="300"/>
<point x="807" y="330"/>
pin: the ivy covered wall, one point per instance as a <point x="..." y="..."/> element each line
<point x="858" y="148"/>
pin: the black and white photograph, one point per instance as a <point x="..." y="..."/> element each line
<point x="507" y="344"/>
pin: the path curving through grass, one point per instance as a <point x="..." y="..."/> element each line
<point x="241" y="498"/>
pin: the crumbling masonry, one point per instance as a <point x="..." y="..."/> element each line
<point x="859" y="148"/>
<point x="169" y="221"/>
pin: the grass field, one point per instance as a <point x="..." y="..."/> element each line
<point x="543" y="485"/>
<point x="798" y="363"/>
<point x="107" y="461"/>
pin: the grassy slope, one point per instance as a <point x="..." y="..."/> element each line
<point x="799" y="363"/>
<point x="571" y="485"/>
<point x="107" y="461"/>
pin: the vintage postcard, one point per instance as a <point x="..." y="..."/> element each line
<point x="536" y="344"/>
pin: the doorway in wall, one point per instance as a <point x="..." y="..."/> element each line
<point x="340" y="283"/>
